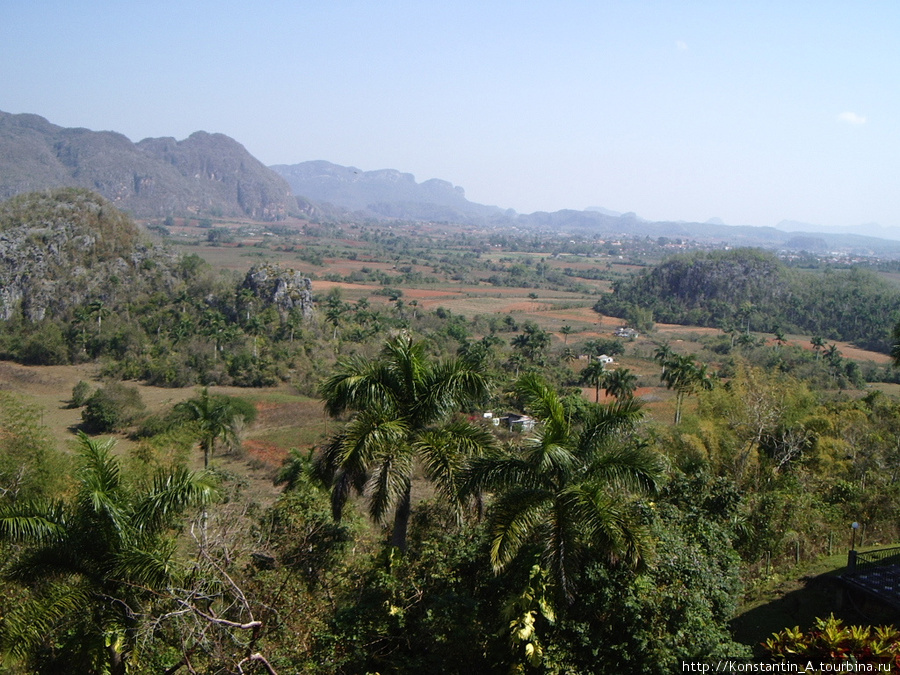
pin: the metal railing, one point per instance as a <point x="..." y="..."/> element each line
<point x="860" y="562"/>
<point x="877" y="572"/>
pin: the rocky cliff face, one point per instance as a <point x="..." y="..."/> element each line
<point x="386" y="193"/>
<point x="65" y="248"/>
<point x="204" y="175"/>
<point x="284" y="288"/>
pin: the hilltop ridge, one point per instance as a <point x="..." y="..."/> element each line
<point x="202" y="175"/>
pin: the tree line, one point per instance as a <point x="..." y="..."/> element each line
<point x="753" y="290"/>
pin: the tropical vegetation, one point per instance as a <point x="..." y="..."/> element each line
<point x="451" y="499"/>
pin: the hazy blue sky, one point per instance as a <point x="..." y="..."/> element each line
<point x="752" y="112"/>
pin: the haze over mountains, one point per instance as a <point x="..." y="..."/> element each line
<point x="212" y="175"/>
<point x="205" y="174"/>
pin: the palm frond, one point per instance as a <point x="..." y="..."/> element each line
<point x="99" y="477"/>
<point x="630" y="467"/>
<point x="170" y="494"/>
<point x="607" y="522"/>
<point x="553" y="460"/>
<point x="444" y="453"/>
<point x="442" y="461"/>
<point x="405" y="360"/>
<point x="32" y="621"/>
<point x="368" y="434"/>
<point x="388" y="483"/>
<point x="561" y="550"/>
<point x="50" y="562"/>
<point x="604" y="422"/>
<point x="543" y="401"/>
<point x="497" y="473"/>
<point x="514" y="518"/>
<point x="147" y="567"/>
<point x="356" y="384"/>
<point x="36" y="522"/>
<point x="453" y="384"/>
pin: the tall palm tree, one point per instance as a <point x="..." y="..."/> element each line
<point x="683" y="374"/>
<point x="98" y="309"/>
<point x="568" y="488"/>
<point x="402" y="404"/>
<point x="215" y="418"/>
<point x="595" y="374"/>
<point x="621" y="383"/>
<point x="818" y="343"/>
<point x="93" y="563"/>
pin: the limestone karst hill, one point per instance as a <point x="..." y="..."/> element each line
<point x="62" y="248"/>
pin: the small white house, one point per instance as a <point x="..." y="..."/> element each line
<point x="604" y="359"/>
<point x="520" y="423"/>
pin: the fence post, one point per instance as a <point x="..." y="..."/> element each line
<point x="851" y="561"/>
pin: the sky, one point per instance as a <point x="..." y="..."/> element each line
<point x="753" y="112"/>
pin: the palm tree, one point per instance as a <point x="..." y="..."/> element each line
<point x="595" y="374"/>
<point x="402" y="405"/>
<point x="98" y="309"/>
<point x="215" y="418"/>
<point x="246" y="298"/>
<point x="93" y="563"/>
<point x="833" y="355"/>
<point x="817" y="343"/>
<point x="663" y="353"/>
<point x="746" y="311"/>
<point x="213" y="323"/>
<point x="568" y="489"/>
<point x="685" y="376"/>
<point x="620" y="383"/>
<point x="566" y="331"/>
<point x="532" y="343"/>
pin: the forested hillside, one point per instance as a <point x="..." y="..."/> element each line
<point x="749" y="289"/>
<point x="79" y="283"/>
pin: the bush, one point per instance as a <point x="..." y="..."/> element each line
<point x="112" y="408"/>
<point x="45" y="347"/>
<point x="80" y="394"/>
<point x="831" y="641"/>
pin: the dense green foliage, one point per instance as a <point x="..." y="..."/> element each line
<point x="30" y="468"/>
<point x="403" y="407"/>
<point x="752" y="290"/>
<point x="600" y="540"/>
<point x="111" y="408"/>
<point x="91" y="564"/>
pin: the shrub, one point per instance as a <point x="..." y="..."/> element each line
<point x="112" y="408"/>
<point x="80" y="394"/>
<point x="46" y="346"/>
<point x="832" y="641"/>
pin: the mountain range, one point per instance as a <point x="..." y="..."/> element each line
<point x="212" y="175"/>
<point x="204" y="175"/>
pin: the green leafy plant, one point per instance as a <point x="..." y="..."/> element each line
<point x="831" y="640"/>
